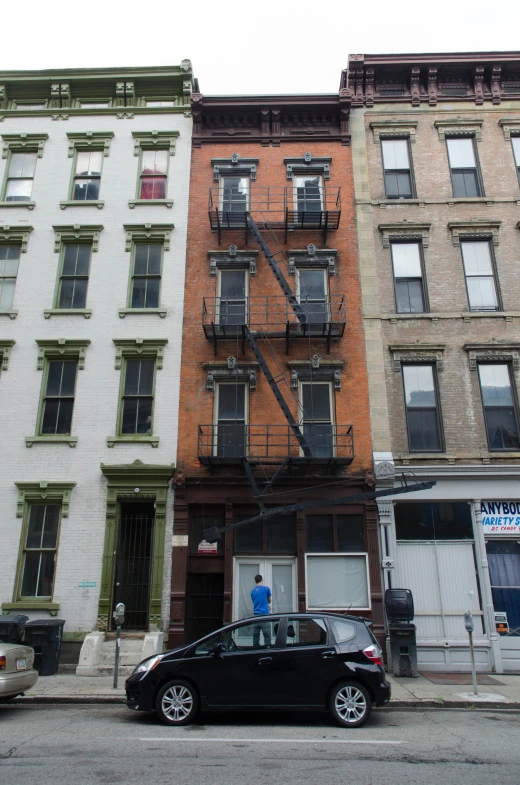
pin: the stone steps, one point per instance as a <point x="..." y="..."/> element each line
<point x="97" y="654"/>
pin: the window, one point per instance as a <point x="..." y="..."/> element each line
<point x="274" y="535"/>
<point x="138" y="397"/>
<point x="234" y="194"/>
<point x="479" y="270"/>
<point x="26" y="107"/>
<point x="337" y="581"/>
<point x="39" y="551"/>
<point x="232" y="300"/>
<point x="408" y="278"/>
<point x="343" y="630"/>
<point x="308" y="191"/>
<point x="330" y="533"/>
<point x="20" y="177"/>
<point x="153" y="174"/>
<point x="73" y="280"/>
<point x="463" y="165"/>
<point x="397" y="169"/>
<point x="515" y="141"/>
<point x="306" y="632"/>
<point x="9" y="260"/>
<point x="58" y="397"/>
<point x="422" y="409"/>
<point x="96" y="105"/>
<point x="253" y="635"/>
<point x="500" y="410"/>
<point x="312" y="291"/>
<point x="146" y="275"/>
<point x="433" y="521"/>
<point x="160" y="103"/>
<point x="87" y="175"/>
<point x="316" y="417"/>
<point x="231" y="420"/>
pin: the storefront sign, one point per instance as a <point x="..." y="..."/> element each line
<point x="500" y="517"/>
<point x="207" y="547"/>
<point x="501" y="623"/>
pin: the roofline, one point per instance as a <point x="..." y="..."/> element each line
<point x="444" y="57"/>
<point x="89" y="73"/>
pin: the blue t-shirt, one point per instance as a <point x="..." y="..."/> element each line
<point x="260" y="594"/>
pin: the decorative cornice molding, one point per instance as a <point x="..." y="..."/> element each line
<point x="5" y="352"/>
<point x="476" y="228"/>
<point x="158" y="233"/>
<point x="155" y="139"/>
<point x="312" y="257"/>
<point x="417" y="353"/>
<point x="24" y="143"/>
<point x="62" y="348"/>
<point x="234" y="165"/>
<point x="231" y="371"/>
<point x="316" y="370"/>
<point x="77" y="233"/>
<point x="459" y="127"/>
<point x="59" y="492"/>
<point x="232" y="259"/>
<point x="140" y="347"/>
<point x="90" y="140"/>
<point x="308" y="164"/>
<point x="510" y="125"/>
<point x="405" y="230"/>
<point x="124" y="475"/>
<point x="388" y="129"/>
<point x="16" y="235"/>
<point x="486" y="352"/>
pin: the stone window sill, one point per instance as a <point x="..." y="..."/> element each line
<point x="136" y="311"/>
<point x="166" y="202"/>
<point x="51" y="439"/>
<point x="86" y="312"/>
<point x="11" y="314"/>
<point x="133" y="439"/>
<point x="27" y="205"/>
<point x="30" y="605"/>
<point x="84" y="203"/>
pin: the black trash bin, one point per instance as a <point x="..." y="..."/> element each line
<point x="44" y="635"/>
<point x="11" y="628"/>
<point x="401" y="631"/>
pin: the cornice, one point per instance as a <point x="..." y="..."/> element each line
<point x="89" y="73"/>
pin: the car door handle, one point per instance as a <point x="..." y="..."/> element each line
<point x="327" y="654"/>
<point x="264" y="660"/>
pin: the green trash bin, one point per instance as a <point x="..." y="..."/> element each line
<point x="44" y="635"/>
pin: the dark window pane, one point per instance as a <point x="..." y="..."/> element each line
<point x="66" y="293"/>
<point x="69" y="259"/>
<point x="351" y="537"/>
<point x="154" y="259"/>
<point x="35" y="527"/>
<point x="132" y="377"/>
<point x="146" y="377"/>
<point x="280" y="533"/>
<point x="152" y="293"/>
<point x="502" y="428"/>
<point x="423" y="430"/>
<point x="68" y="379"/>
<point x="30" y="574"/>
<point x="64" y="416"/>
<point x="465" y="183"/>
<point x="52" y="518"/>
<point x="231" y="401"/>
<point x="233" y="284"/>
<point x="139" y="293"/>
<point x="50" y="415"/>
<point x="320" y="439"/>
<point x="320" y="534"/>
<point x="198" y="524"/>
<point x="433" y="521"/>
<point x="54" y="378"/>
<point x="129" y="418"/>
<point x="80" y="293"/>
<point x="46" y="578"/>
<point x="231" y="440"/>
<point x="409" y="296"/>
<point x="141" y="259"/>
<point x="316" y="401"/>
<point x="248" y="538"/>
<point x="398" y="184"/>
<point x="144" y="415"/>
<point x="83" y="262"/>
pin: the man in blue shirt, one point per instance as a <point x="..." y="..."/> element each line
<point x="261" y="597"/>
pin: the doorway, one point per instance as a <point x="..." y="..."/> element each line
<point x="278" y="573"/>
<point x="504" y="573"/>
<point x="133" y="562"/>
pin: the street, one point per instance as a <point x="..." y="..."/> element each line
<point x="89" y="744"/>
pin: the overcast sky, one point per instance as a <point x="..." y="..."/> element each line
<point x="237" y="46"/>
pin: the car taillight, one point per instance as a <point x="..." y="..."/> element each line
<point x="374" y="654"/>
<point x="3" y="663"/>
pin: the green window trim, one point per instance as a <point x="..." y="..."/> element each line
<point x="135" y="202"/>
<point x="30" y="605"/>
<point x="20" y="143"/>
<point x="129" y="309"/>
<point x="123" y="312"/>
<point x="85" y="312"/>
<point x="75" y="233"/>
<point x="90" y="140"/>
<point x="15" y="235"/>
<point x="99" y="203"/>
<point x="147" y="233"/>
<point x="50" y="438"/>
<point x="154" y="140"/>
<point x="5" y="352"/>
<point x="87" y="142"/>
<point x="136" y="349"/>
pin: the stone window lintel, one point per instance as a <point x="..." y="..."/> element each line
<point x="77" y="233"/>
<point x="138" y="348"/>
<point x="233" y="259"/>
<point x="24" y="143"/>
<point x="234" y="165"/>
<point x="485" y="352"/>
<point x="5" y="352"/>
<point x="90" y="140"/>
<point x="317" y="370"/>
<point x="308" y="164"/>
<point x="510" y="125"/>
<point x="405" y="230"/>
<point x="230" y="371"/>
<point x="46" y="492"/>
<point x="148" y="140"/>
<point x="417" y="353"/>
<point x="158" y="233"/>
<point x="62" y="348"/>
<point x="477" y="228"/>
<point x="16" y="235"/>
<point x="459" y="127"/>
<point x="391" y="129"/>
<point x="312" y="257"/>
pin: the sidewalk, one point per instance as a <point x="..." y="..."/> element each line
<point x="406" y="692"/>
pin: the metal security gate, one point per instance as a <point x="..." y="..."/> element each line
<point x="204" y="604"/>
<point x="133" y="563"/>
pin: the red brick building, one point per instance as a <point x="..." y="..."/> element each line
<point x="273" y="389"/>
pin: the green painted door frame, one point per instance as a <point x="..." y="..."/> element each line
<point x="140" y="482"/>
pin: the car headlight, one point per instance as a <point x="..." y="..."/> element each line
<point x="148" y="665"/>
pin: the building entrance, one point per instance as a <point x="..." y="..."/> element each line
<point x="504" y="573"/>
<point x="133" y="562"/>
<point x="279" y="574"/>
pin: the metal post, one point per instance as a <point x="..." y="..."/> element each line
<point x="473" y="668"/>
<point x="116" y="662"/>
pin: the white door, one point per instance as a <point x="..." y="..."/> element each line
<point x="278" y="573"/>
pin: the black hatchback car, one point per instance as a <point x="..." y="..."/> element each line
<point x="319" y="661"/>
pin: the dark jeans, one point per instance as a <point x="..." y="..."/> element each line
<point x="265" y="627"/>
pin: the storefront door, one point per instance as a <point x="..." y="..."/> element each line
<point x="278" y="573"/>
<point x="504" y="573"/>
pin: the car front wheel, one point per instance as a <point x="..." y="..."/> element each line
<point x="177" y="703"/>
<point x="350" y="704"/>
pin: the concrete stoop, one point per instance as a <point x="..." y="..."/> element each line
<point x="98" y="652"/>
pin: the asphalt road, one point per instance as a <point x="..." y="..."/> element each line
<point x="87" y="745"/>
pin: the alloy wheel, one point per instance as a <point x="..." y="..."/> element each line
<point x="177" y="703"/>
<point x="350" y="704"/>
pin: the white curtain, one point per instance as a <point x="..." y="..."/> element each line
<point x="337" y="582"/>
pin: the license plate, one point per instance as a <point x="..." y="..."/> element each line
<point x="21" y="665"/>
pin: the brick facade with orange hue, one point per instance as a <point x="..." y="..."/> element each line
<point x="203" y="585"/>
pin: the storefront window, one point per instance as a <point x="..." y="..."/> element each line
<point x="274" y="535"/>
<point x="433" y="521"/>
<point x="335" y="533"/>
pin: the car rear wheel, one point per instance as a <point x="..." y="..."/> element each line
<point x="177" y="703"/>
<point x="350" y="704"/>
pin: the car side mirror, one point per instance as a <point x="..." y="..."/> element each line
<point x="217" y="649"/>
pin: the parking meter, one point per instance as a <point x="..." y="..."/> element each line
<point x="119" y="614"/>
<point x="119" y="618"/>
<point x="468" y="621"/>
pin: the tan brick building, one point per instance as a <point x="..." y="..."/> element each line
<point x="436" y="161"/>
<point x="286" y="163"/>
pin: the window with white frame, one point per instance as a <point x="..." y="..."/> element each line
<point x="87" y="175"/>
<point x="232" y="298"/>
<point x="230" y="418"/>
<point x="234" y="194"/>
<point x="153" y="175"/>
<point x="20" y="177"/>
<point x="463" y="165"/>
<point x="317" y="417"/>
<point x="337" y="581"/>
<point x="410" y="291"/>
<point x="312" y="293"/>
<point x="479" y="269"/>
<point x="9" y="261"/>
<point x="397" y="168"/>
<point x="308" y="193"/>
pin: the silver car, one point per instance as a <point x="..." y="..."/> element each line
<point x="16" y="669"/>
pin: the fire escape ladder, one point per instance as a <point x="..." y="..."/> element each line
<point x="271" y="261"/>
<point x="277" y="393"/>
